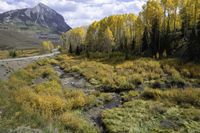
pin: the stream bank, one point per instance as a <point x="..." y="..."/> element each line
<point x="74" y="80"/>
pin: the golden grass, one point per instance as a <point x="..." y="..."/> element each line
<point x="182" y="97"/>
<point x="38" y="104"/>
<point x="124" y="75"/>
<point x="4" y="54"/>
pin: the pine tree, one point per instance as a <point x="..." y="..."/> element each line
<point x="155" y="37"/>
<point x="133" y="45"/>
<point x="77" y="50"/>
<point x="70" y="48"/>
<point x="165" y="40"/>
<point x="87" y="52"/>
<point x="13" y="53"/>
<point x="126" y="50"/>
<point x="145" y="40"/>
<point x="194" y="44"/>
<point x="185" y="25"/>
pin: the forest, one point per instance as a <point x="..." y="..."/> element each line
<point x="166" y="28"/>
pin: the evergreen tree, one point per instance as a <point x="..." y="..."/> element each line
<point x="198" y="32"/>
<point x="13" y="53"/>
<point x="70" y="48"/>
<point x="185" y="25"/>
<point x="133" y="45"/>
<point x="126" y="50"/>
<point x="155" y="37"/>
<point x="77" y="50"/>
<point x="194" y="44"/>
<point x="145" y="40"/>
<point x="87" y="51"/>
<point x="165" y="41"/>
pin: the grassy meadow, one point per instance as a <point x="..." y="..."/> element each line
<point x="123" y="75"/>
<point x="4" y="54"/>
<point x="157" y="96"/>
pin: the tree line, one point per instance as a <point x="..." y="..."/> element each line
<point x="159" y="30"/>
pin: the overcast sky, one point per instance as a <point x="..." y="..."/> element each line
<point x="79" y="12"/>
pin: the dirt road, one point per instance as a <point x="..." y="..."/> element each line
<point x="7" y="66"/>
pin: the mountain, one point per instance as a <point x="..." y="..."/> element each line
<point x="26" y="28"/>
<point x="17" y="40"/>
<point x="36" y="18"/>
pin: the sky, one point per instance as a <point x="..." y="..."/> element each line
<point x="79" y="12"/>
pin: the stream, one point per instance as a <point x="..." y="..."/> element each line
<point x="76" y="81"/>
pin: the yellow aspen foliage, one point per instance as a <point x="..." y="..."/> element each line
<point x="108" y="39"/>
<point x="47" y="46"/>
<point x="75" y="37"/>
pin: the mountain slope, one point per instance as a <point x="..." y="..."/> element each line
<point x="38" y="16"/>
<point x="17" y="40"/>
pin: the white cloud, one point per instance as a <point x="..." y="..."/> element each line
<point x="79" y="12"/>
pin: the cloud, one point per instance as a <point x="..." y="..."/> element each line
<point x="79" y="12"/>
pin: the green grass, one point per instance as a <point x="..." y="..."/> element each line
<point x="149" y="116"/>
<point x="128" y="75"/>
<point x="4" y="54"/>
<point x="176" y="96"/>
<point x="162" y="109"/>
<point x="33" y="98"/>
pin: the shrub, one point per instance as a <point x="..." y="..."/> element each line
<point x="49" y="88"/>
<point x="124" y="75"/>
<point x="193" y="70"/>
<point x="5" y="93"/>
<point x="128" y="96"/>
<point x="171" y="71"/>
<point x="77" y="98"/>
<point x="12" y="53"/>
<point x="39" y="105"/>
<point x="45" y="105"/>
<point x="150" y="116"/>
<point x="106" y="97"/>
<point x="73" y="122"/>
<point x="181" y="97"/>
<point x="21" y="78"/>
<point x="136" y="79"/>
<point x="158" y="84"/>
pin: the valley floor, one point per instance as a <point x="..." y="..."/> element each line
<point x="100" y="94"/>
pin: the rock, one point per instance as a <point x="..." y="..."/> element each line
<point x="169" y="124"/>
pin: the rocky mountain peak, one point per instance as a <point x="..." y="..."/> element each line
<point x="42" y="5"/>
<point x="41" y="15"/>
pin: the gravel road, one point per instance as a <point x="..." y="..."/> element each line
<point x="7" y="66"/>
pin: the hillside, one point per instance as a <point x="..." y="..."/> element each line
<point x="17" y="40"/>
